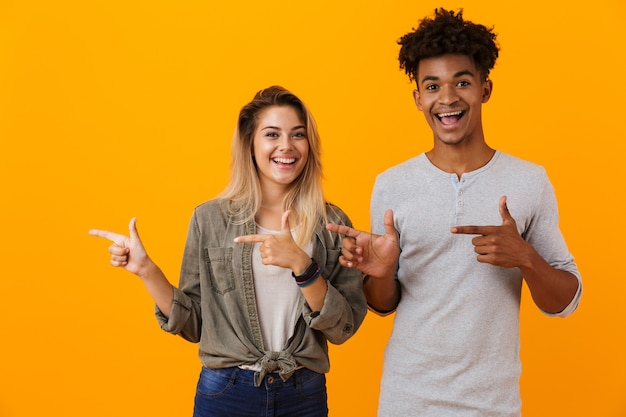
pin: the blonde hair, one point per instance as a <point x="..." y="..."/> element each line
<point x="305" y="196"/>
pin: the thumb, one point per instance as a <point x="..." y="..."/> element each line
<point x="285" y="228"/>
<point x="390" y="230"/>
<point x="504" y="211"/>
<point x="132" y="230"/>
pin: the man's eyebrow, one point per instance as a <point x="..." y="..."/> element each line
<point x="429" y="78"/>
<point x="456" y="75"/>
<point x="462" y="73"/>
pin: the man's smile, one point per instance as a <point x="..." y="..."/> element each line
<point x="450" y="117"/>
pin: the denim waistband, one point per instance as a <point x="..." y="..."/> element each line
<point x="245" y="376"/>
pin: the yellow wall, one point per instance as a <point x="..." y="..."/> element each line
<point x="113" y="109"/>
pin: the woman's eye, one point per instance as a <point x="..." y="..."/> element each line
<point x="299" y="135"/>
<point x="271" y="134"/>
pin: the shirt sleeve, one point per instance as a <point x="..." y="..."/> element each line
<point x="185" y="317"/>
<point x="344" y="306"/>
<point x="545" y="235"/>
<point x="571" y="307"/>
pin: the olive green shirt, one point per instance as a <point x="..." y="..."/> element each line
<point x="215" y="302"/>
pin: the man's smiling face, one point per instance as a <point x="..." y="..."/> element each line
<point x="451" y="92"/>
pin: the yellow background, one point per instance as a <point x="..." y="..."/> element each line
<point x="113" y="109"/>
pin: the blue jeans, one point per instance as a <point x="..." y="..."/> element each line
<point x="230" y="392"/>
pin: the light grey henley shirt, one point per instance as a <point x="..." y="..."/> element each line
<point x="454" y="348"/>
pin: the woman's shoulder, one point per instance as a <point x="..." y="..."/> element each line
<point x="217" y="207"/>
<point x="336" y="214"/>
<point x="211" y="205"/>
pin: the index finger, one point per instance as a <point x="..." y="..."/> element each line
<point x="113" y="237"/>
<point x="251" y="238"/>
<point x="473" y="230"/>
<point x="342" y="230"/>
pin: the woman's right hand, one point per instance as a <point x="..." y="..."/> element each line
<point x="126" y="251"/>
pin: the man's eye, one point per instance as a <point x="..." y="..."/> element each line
<point x="463" y="83"/>
<point x="431" y="87"/>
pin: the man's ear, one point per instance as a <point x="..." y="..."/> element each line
<point x="416" y="99"/>
<point x="487" y="90"/>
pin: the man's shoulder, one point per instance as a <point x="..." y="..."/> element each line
<point x="511" y="161"/>
<point x="518" y="169"/>
<point x="401" y="169"/>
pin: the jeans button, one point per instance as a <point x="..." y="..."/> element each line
<point x="270" y="379"/>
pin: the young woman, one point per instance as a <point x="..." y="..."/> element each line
<point x="261" y="288"/>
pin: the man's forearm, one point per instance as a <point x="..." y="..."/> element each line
<point x="382" y="294"/>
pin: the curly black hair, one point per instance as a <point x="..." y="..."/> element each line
<point x="448" y="33"/>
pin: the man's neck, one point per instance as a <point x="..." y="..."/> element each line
<point x="458" y="159"/>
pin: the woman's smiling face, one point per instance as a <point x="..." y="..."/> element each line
<point x="280" y="146"/>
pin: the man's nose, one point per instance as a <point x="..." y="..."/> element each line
<point x="448" y="95"/>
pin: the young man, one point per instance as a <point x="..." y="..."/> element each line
<point x="455" y="230"/>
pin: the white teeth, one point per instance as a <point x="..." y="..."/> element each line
<point x="285" y="160"/>
<point x="456" y="113"/>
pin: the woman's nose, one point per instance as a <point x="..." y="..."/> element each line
<point x="284" y="142"/>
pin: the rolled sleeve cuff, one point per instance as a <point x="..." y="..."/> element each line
<point x="332" y="315"/>
<point x="181" y="311"/>
<point x="571" y="307"/>
<point x="380" y="312"/>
